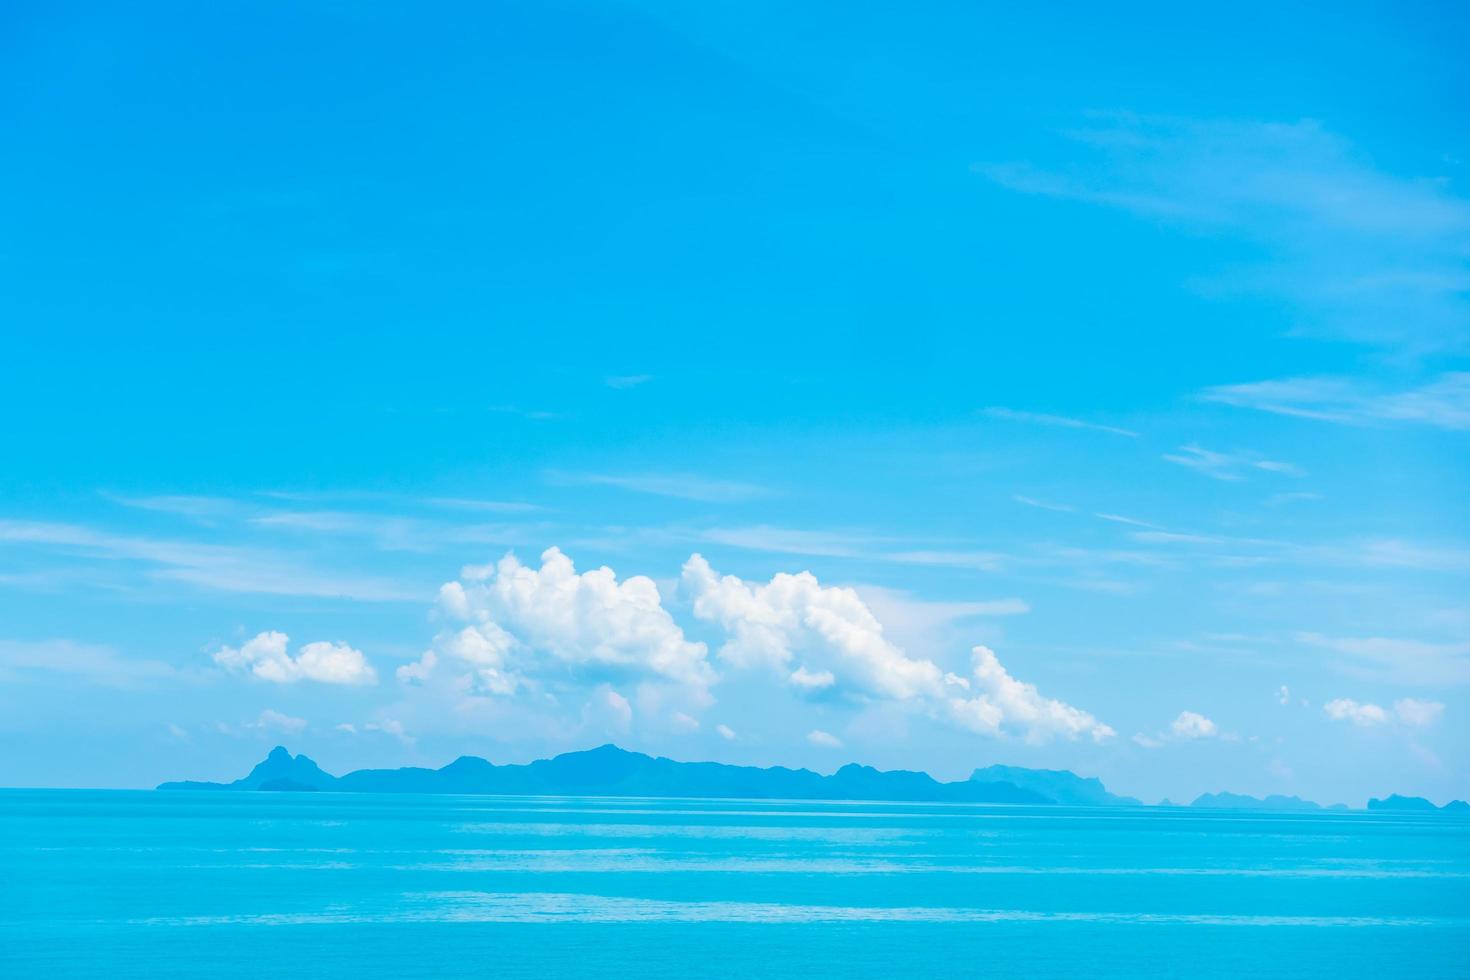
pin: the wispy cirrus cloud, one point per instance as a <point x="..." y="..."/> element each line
<point x="225" y="568"/>
<point x="1397" y="659"/>
<point x="1442" y="403"/>
<point x="95" y="663"/>
<point x="683" y="486"/>
<point x="1226" y="465"/>
<point x="1056" y="421"/>
<point x="1042" y="504"/>
<point x="1363" y="254"/>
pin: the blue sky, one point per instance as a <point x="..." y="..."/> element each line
<point x="1128" y="346"/>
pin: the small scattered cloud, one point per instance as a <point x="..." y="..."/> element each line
<point x="1417" y="713"/>
<point x="622" y="382"/>
<point x="271" y="720"/>
<point x="418" y="671"/>
<point x="825" y="740"/>
<point x="1362" y="715"/>
<point x="725" y="732"/>
<point x="1187" y="726"/>
<point x="1191" y="725"/>
<point x="1056" y="421"/>
<point x="265" y="656"/>
<point x="389" y="726"/>
<point x="1409" y="712"/>
<point x="1283" y="695"/>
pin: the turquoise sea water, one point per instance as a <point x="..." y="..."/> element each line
<point x="137" y="884"/>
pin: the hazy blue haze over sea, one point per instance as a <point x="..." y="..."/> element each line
<point x="236" y="884"/>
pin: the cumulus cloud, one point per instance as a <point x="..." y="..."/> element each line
<point x="272" y="720"/>
<point x="1002" y="703"/>
<point x="1410" y="712"/>
<point x="525" y="626"/>
<point x="823" y="640"/>
<point x="823" y="739"/>
<point x="266" y="656"/>
<point x="1362" y="715"/>
<point x="1192" y="725"/>
<point x="1420" y="714"/>
<point x="418" y="671"/>
<point x="1187" y="726"/>
<point x="820" y="638"/>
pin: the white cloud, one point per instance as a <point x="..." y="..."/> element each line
<point x="607" y="710"/>
<point x="552" y="625"/>
<point x="1442" y="402"/>
<point x="1056" y="421"/>
<point x="823" y="739"/>
<point x="683" y="723"/>
<point x="817" y="637"/>
<point x="1359" y="253"/>
<point x="1420" y="714"/>
<point x="1192" y="725"/>
<point x="726" y="732"/>
<point x="97" y="664"/>
<point x="1042" y="504"/>
<point x="272" y="720"/>
<point x="684" y="486"/>
<point x="218" y="567"/>
<point x="1283" y="695"/>
<point x="389" y="726"/>
<point x="1001" y="703"/>
<point x="1362" y="715"/>
<point x="1396" y="658"/>
<point x="265" y="656"/>
<point x="824" y="639"/>
<point x="418" y="671"/>
<point x="1187" y="726"/>
<point x="1226" y="466"/>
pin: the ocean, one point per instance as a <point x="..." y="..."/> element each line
<point x="125" y="884"/>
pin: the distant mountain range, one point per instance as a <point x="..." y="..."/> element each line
<point x="1419" y="803"/>
<point x="1058" y="785"/>
<point x="1235" y="801"/>
<point x="611" y="771"/>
